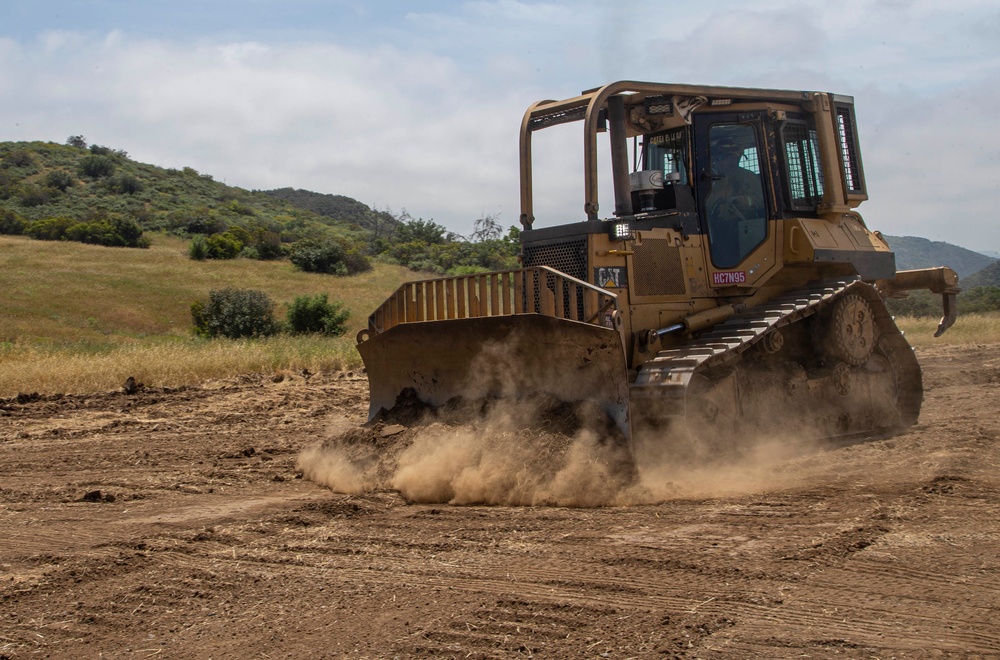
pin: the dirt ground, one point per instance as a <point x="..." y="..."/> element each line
<point x="177" y="523"/>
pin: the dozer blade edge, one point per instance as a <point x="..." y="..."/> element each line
<point x="508" y="357"/>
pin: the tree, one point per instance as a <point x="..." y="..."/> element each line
<point x="427" y="231"/>
<point x="487" y="228"/>
<point x="77" y="141"/>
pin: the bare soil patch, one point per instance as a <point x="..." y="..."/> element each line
<point x="177" y="523"/>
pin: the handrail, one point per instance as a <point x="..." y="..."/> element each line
<point x="537" y="290"/>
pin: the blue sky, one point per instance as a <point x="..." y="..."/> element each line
<point x="416" y="105"/>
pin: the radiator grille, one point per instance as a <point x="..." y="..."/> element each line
<point x="570" y="257"/>
<point x="657" y="269"/>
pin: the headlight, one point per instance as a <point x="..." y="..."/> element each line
<point x="621" y="231"/>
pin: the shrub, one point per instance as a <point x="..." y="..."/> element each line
<point x="267" y="243"/>
<point x="426" y="266"/>
<point x="124" y="184"/>
<point x="327" y="255"/>
<point x="239" y="208"/>
<point x="113" y="231"/>
<point x="201" y="221"/>
<point x="96" y="166"/>
<point x="316" y="314"/>
<point x="32" y="196"/>
<point x="50" y="229"/>
<point x="198" y="250"/>
<point x="99" y="150"/>
<point x="979" y="299"/>
<point x="234" y="313"/>
<point x="222" y="246"/>
<point x="59" y="179"/>
<point x="19" y="158"/>
<point x="128" y="232"/>
<point x="11" y="223"/>
<point x="10" y="186"/>
<point x="317" y="255"/>
<point x="95" y="232"/>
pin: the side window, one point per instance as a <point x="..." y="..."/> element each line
<point x="805" y="178"/>
<point x="849" y="152"/>
<point x="666" y="152"/>
<point x="735" y="207"/>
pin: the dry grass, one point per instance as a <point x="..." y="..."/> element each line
<point x="166" y="364"/>
<point x="968" y="329"/>
<point x="80" y="318"/>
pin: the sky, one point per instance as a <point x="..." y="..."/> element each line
<point x="416" y="105"/>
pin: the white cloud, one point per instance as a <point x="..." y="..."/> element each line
<point x="420" y="108"/>
<point x="391" y="128"/>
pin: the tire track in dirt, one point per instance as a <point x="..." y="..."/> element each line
<point x="882" y="549"/>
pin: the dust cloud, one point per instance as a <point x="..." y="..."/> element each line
<point x="490" y="460"/>
<point x="497" y="459"/>
<point x="494" y="445"/>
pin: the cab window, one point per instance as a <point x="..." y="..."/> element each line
<point x="735" y="207"/>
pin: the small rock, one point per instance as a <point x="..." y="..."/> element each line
<point x="131" y="386"/>
<point x="97" y="496"/>
<point x="392" y="430"/>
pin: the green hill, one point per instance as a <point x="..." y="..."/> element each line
<point x="100" y="196"/>
<point x="40" y="180"/>
<point x="912" y="252"/>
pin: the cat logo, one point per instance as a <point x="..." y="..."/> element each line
<point x="611" y="277"/>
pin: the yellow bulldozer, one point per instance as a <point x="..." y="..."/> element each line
<point x="735" y="284"/>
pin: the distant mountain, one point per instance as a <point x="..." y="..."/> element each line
<point x="912" y="252"/>
<point x="337" y="206"/>
<point x="989" y="276"/>
<point x="990" y="253"/>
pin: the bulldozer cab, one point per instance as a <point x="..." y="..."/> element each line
<point x="727" y="169"/>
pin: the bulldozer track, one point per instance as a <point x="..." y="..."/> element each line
<point x="666" y="378"/>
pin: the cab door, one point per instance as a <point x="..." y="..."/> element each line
<point x="733" y="198"/>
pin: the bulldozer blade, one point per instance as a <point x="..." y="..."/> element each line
<point x="511" y="357"/>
